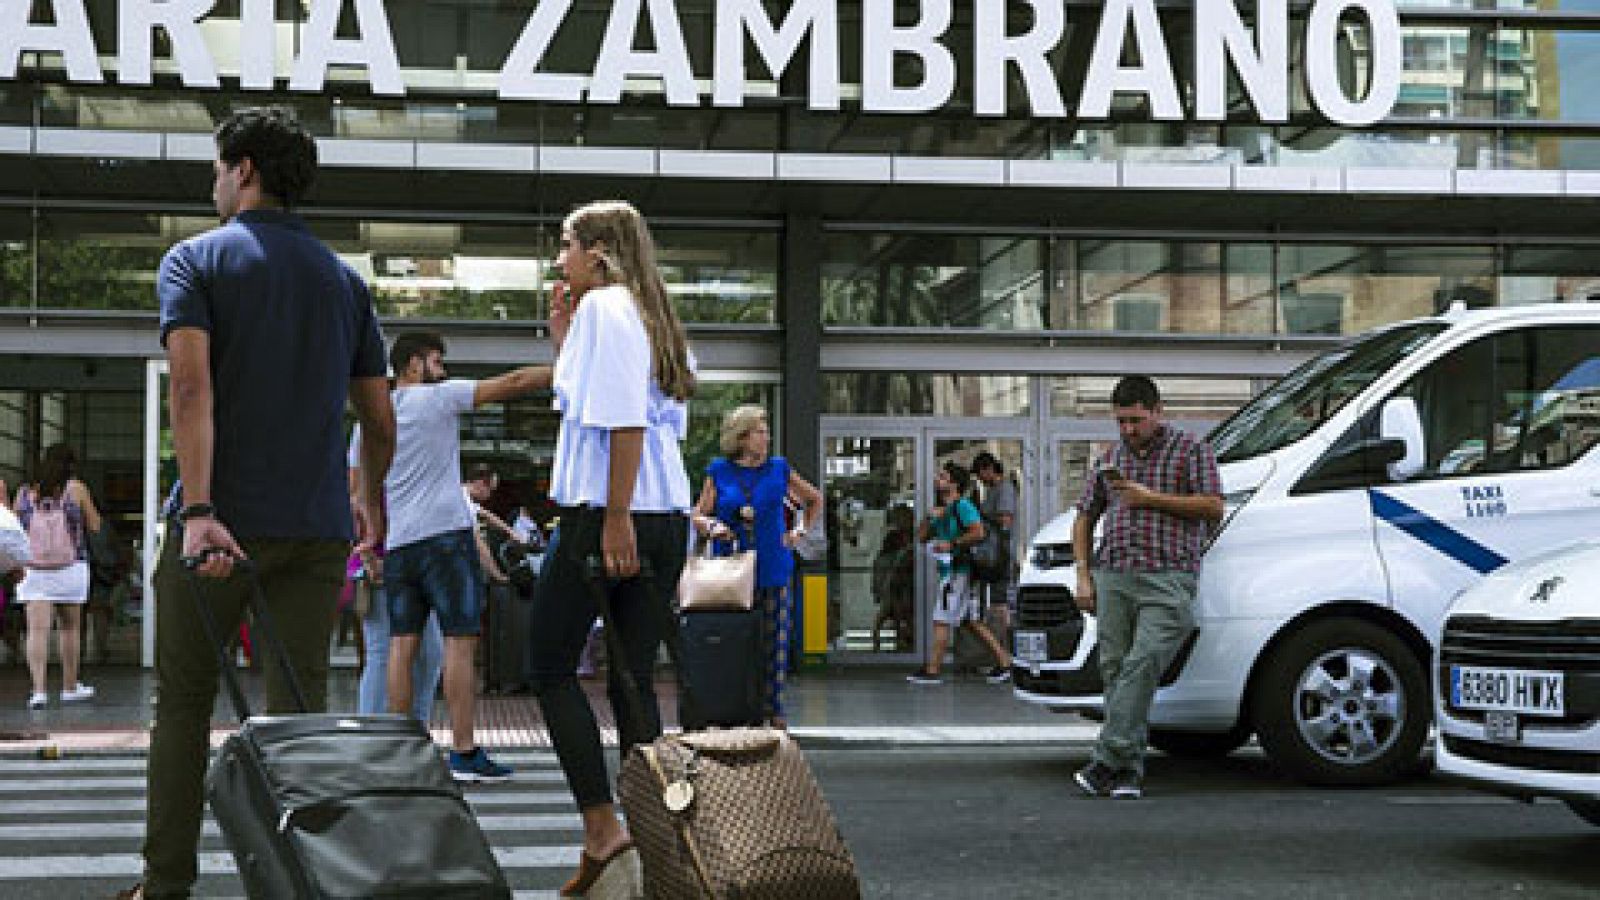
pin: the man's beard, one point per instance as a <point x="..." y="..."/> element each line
<point x="430" y="378"/>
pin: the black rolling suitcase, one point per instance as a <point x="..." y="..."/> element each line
<point x="723" y="659"/>
<point x="326" y="805"/>
<point x="510" y="620"/>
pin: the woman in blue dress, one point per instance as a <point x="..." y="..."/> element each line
<point x="743" y="500"/>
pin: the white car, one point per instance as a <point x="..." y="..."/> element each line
<point x="1363" y="492"/>
<point x="1518" y="680"/>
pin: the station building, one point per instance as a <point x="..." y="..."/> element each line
<point x="912" y="229"/>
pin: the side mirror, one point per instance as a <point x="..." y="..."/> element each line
<point x="1401" y="423"/>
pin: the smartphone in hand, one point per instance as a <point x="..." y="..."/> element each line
<point x="1112" y="474"/>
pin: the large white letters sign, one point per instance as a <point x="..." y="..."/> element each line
<point x="1130" y="64"/>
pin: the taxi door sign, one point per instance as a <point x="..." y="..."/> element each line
<point x="1452" y="543"/>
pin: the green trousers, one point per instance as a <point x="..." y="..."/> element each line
<point x="302" y="580"/>
<point x="1143" y="619"/>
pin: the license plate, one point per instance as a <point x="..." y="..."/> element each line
<point x="1032" y="646"/>
<point x="1502" y="727"/>
<point x="1528" y="692"/>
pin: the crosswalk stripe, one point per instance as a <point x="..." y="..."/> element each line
<point x="97" y="783"/>
<point x="110" y="865"/>
<point x="17" y="766"/>
<point x="52" y="831"/>
<point x="135" y="763"/>
<point x="87" y="764"/>
<point x="477" y="798"/>
<point x="71" y="785"/>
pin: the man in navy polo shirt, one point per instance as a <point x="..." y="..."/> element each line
<point x="267" y="335"/>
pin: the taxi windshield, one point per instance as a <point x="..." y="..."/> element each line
<point x="1308" y="396"/>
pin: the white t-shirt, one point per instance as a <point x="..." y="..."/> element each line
<point x="423" y="489"/>
<point x="603" y="382"/>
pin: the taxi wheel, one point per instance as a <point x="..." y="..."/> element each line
<point x="1585" y="809"/>
<point x="1199" y="744"/>
<point x="1343" y="702"/>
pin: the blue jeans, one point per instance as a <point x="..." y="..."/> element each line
<point x="374" y="694"/>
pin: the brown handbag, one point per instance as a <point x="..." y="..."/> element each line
<point x="718" y="582"/>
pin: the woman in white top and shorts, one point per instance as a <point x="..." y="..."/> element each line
<point x="623" y="373"/>
<point x="61" y="590"/>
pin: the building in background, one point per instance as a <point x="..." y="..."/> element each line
<point x="900" y="288"/>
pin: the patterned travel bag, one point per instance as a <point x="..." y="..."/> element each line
<point x="726" y="813"/>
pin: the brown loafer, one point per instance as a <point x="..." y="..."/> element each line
<point x="590" y="869"/>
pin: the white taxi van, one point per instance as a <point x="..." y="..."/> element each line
<point x="1364" y="491"/>
<point x="1518" y="690"/>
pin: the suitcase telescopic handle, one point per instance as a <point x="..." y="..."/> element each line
<point x="255" y="599"/>
<point x="595" y="576"/>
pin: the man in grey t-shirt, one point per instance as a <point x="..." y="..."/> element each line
<point x="432" y="562"/>
<point x="999" y="511"/>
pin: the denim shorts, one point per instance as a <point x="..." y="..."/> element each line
<point x="442" y="574"/>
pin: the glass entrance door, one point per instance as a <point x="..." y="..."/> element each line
<point x="878" y="485"/>
<point x="870" y="487"/>
<point x="1071" y="457"/>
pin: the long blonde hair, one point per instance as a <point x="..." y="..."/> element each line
<point x="628" y="258"/>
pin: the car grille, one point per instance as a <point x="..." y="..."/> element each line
<point x="1045" y="606"/>
<point x="1569" y="645"/>
<point x="1537" y="758"/>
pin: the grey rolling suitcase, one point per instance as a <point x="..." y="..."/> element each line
<point x="325" y="805"/>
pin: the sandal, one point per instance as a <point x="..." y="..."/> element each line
<point x="590" y="869"/>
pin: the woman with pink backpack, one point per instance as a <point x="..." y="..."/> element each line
<point x="58" y="514"/>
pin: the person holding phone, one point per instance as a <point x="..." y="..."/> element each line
<point x="1160" y="493"/>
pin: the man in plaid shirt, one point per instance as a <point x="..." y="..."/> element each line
<point x="1160" y="494"/>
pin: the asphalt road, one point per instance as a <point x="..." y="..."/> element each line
<point x="949" y="822"/>
<point x="973" y="822"/>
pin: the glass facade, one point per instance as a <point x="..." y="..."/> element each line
<point x="1179" y="287"/>
<point x="430" y="269"/>
<point x="1488" y="74"/>
<point x="791" y="284"/>
<point x="919" y="394"/>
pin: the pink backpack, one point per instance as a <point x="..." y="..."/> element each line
<point x="49" y="535"/>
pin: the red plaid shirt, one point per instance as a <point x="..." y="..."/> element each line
<point x="1150" y="540"/>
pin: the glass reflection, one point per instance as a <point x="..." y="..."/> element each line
<point x="1347" y="289"/>
<point x="933" y="280"/>
<point x="919" y="394"/>
<point x="870" y="489"/>
<point x="1186" y="399"/>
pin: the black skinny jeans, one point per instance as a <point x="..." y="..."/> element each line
<point x="563" y="609"/>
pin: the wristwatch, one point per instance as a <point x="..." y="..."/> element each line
<point x="197" y="511"/>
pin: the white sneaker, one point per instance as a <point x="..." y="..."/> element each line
<point x="37" y="701"/>
<point x="81" y="692"/>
